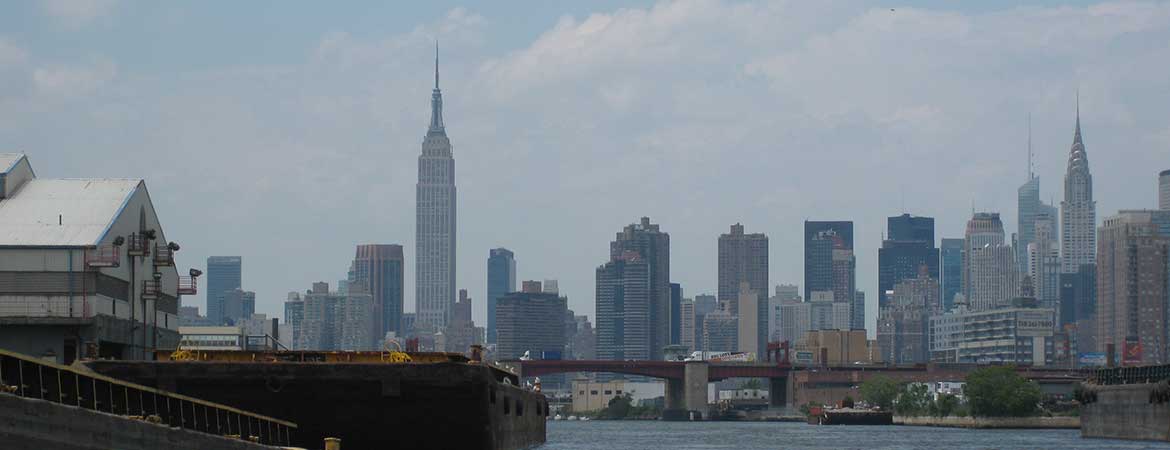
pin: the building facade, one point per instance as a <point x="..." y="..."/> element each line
<point x="623" y="308"/>
<point x="652" y="245"/>
<point x="1027" y="206"/>
<point x="1164" y="190"/>
<point x="720" y="330"/>
<point x="1133" y="272"/>
<point x="435" y="222"/>
<point x="1078" y="211"/>
<point x="904" y="323"/>
<point x="951" y="256"/>
<point x="378" y="269"/>
<point x="909" y="247"/>
<point x="743" y="258"/>
<point x="1044" y="259"/>
<point x="224" y="274"/>
<point x="530" y="322"/>
<point x="990" y="278"/>
<point x="830" y="266"/>
<point x="501" y="279"/>
<point x="1011" y="335"/>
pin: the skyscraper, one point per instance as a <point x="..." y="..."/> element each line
<point x="623" y="308"/>
<point x="1028" y="205"/>
<point x="1132" y="280"/>
<point x="501" y="279"/>
<point x="1164" y="190"/>
<point x="743" y="258"/>
<point x="378" y="270"/>
<point x="224" y="274"/>
<point x="675" y="313"/>
<point x="952" y="271"/>
<point x="989" y="270"/>
<point x="829" y="264"/>
<point x="909" y="247"/>
<point x="435" y="222"/>
<point x="652" y="246"/>
<point x="1078" y="211"/>
<point x="1044" y="259"/>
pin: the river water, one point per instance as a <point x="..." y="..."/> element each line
<point x="654" y="435"/>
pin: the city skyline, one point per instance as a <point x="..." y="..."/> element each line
<point x="351" y="174"/>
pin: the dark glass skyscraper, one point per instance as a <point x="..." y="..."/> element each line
<point x="501" y="279"/>
<point x="653" y="246"/>
<point x="952" y="270"/>
<point x="829" y="264"/>
<point x="909" y="247"/>
<point x="378" y="269"/>
<point x="224" y="274"/>
<point x="623" y="308"/>
<point x="743" y="258"/>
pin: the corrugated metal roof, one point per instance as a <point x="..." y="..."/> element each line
<point x="7" y="160"/>
<point x="86" y="208"/>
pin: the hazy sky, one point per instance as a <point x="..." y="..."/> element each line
<point x="287" y="132"/>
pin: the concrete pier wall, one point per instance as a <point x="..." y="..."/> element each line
<point x="1126" y="411"/>
<point x="38" y="424"/>
<point x="991" y="422"/>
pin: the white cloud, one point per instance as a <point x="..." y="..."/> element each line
<point x="698" y="113"/>
<point x="78" y="12"/>
<point x="11" y="55"/>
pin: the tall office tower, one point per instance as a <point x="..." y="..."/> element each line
<point x="501" y="279"/>
<point x="1044" y="259"/>
<point x="824" y="242"/>
<point x="857" y="311"/>
<point x="990" y="278"/>
<point x="686" y="317"/>
<point x="623" y="308"/>
<point x="355" y="322"/>
<point x="908" y="248"/>
<point x="378" y="270"/>
<point x="434" y="287"/>
<point x="237" y="304"/>
<point x="224" y="274"/>
<point x="531" y="322"/>
<point x="462" y="333"/>
<point x="750" y="338"/>
<point x="951" y="256"/>
<point x="903" y="323"/>
<point x="1164" y="190"/>
<point x="653" y="247"/>
<point x="1028" y="205"/>
<point x="294" y="313"/>
<point x="795" y="316"/>
<point x="720" y="330"/>
<point x="704" y="304"/>
<point x="1132" y="280"/>
<point x="1078" y="211"/>
<point x="675" y="312"/>
<point x="743" y="258"/>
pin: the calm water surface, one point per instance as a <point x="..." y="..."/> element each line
<point x="618" y="435"/>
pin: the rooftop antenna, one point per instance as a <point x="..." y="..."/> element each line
<point x="1031" y="168"/>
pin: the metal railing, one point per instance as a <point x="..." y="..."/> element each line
<point x="1130" y="375"/>
<point x="28" y="377"/>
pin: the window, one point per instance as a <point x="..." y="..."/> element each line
<point x="519" y="407"/>
<point x="608" y="392"/>
<point x="507" y="406"/>
<point x="592" y="392"/>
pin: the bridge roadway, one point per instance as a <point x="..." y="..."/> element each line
<point x="686" y="382"/>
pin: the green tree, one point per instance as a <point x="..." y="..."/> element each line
<point x="753" y="383"/>
<point x="999" y="391"/>
<point x="880" y="391"/>
<point x="619" y="407"/>
<point x="913" y="401"/>
<point x="946" y="405"/>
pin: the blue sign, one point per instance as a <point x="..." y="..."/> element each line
<point x="1091" y="359"/>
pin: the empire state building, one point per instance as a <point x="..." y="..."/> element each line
<point x="435" y="222"/>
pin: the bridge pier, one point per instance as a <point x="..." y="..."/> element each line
<point x="778" y="392"/>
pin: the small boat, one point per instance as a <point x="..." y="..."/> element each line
<point x="558" y="417"/>
<point x="572" y="417"/>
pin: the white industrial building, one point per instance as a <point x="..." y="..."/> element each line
<point x="85" y="268"/>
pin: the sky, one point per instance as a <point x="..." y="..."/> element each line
<point x="288" y="132"/>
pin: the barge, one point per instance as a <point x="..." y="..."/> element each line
<point x="374" y="400"/>
<point x="849" y="416"/>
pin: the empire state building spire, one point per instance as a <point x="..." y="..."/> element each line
<point x="436" y="100"/>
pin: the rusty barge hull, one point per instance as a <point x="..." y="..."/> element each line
<point x="438" y="405"/>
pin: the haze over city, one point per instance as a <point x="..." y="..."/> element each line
<point x="288" y="133"/>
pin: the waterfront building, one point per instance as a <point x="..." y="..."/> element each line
<point x="1044" y="259"/>
<point x="501" y="279"/>
<point x="224" y="274"/>
<point x="378" y="270"/>
<point x="743" y="258"/>
<point x="830" y="266"/>
<point x="720" y="330"/>
<point x="1133" y="275"/>
<point x="1078" y="211"/>
<point x="531" y="322"/>
<point x="904" y="323"/>
<point x="435" y="222"/>
<point x="1164" y="190"/>
<point x="653" y="246"/>
<point x="951" y="251"/>
<point x="85" y="268"/>
<point x="687" y="324"/>
<point x="1017" y="334"/>
<point x="623" y="308"/>
<point x="990" y="279"/>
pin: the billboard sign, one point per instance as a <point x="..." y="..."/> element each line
<point x="804" y="357"/>
<point x="1033" y="323"/>
<point x="1091" y="359"/>
<point x="1133" y="353"/>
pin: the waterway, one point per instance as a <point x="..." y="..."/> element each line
<point x="653" y="435"/>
